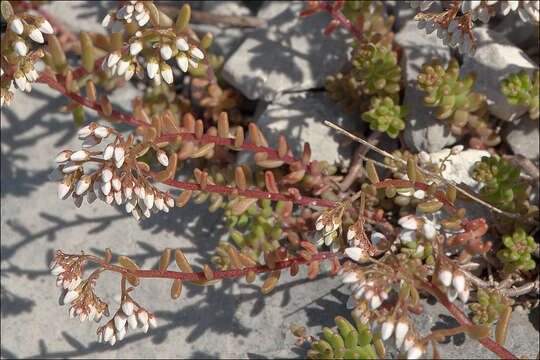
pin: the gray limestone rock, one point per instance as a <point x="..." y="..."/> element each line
<point x="423" y="130"/>
<point x="289" y="54"/>
<point x="495" y="59"/>
<point x="523" y="137"/>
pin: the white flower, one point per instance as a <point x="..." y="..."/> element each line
<point x="63" y="156"/>
<point x="181" y="44"/>
<point x="182" y="62"/>
<point x="106" y="174"/>
<point x="131" y="204"/>
<point x="451" y="293"/>
<point x="409" y="342"/>
<point x="357" y="254"/>
<point x="166" y="52"/>
<point x="70" y="296"/>
<point x="82" y="185"/>
<point x="350" y="277"/>
<point x="429" y="230"/>
<point x="152" y="68"/>
<point x="85" y="131"/>
<point x="196" y="53"/>
<point x="149" y="200"/>
<point x="70" y="167"/>
<point x="129" y="72"/>
<point x="113" y="58"/>
<point x="36" y="35"/>
<point x="144" y="19"/>
<point x="407" y="236"/>
<point x="120" y="320"/>
<point x="402" y="328"/>
<point x="106" y="188"/>
<point x="135" y="47"/>
<point x="16" y="26"/>
<point x="132" y="321"/>
<point x="105" y="23"/>
<point x="415" y="352"/>
<point x="80" y="155"/>
<point x="458" y="282"/>
<point x="375" y="302"/>
<point x="170" y="201"/>
<point x="445" y="277"/>
<point x="408" y="222"/>
<point x="119" y="156"/>
<point x="127" y="307"/>
<point x="108" y="152"/>
<point x="152" y="321"/>
<point x="166" y="73"/>
<point x="387" y="329"/>
<point x="158" y="202"/>
<point x="20" y="80"/>
<point x="116" y="183"/>
<point x="122" y="67"/>
<point x="193" y="63"/>
<point x="419" y="194"/>
<point x="44" y="26"/>
<point x="102" y="131"/>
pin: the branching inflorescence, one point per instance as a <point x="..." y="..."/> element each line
<point x="287" y="210"/>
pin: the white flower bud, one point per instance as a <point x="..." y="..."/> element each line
<point x="149" y="200"/>
<point x="129" y="72"/>
<point x="70" y="296"/>
<point x="44" y="26"/>
<point x="80" y="155"/>
<point x="106" y="188"/>
<point x="16" y="26"/>
<point x="63" y="156"/>
<point x="162" y="158"/>
<point x="458" y="281"/>
<point x="105" y="23"/>
<point x="113" y="58"/>
<point x="196" y="53"/>
<point x="357" y="254"/>
<point x="193" y="63"/>
<point x="387" y="329"/>
<point x="122" y="66"/>
<point x="464" y="295"/>
<point x="402" y="328"/>
<point x="120" y="320"/>
<point x="158" y="202"/>
<point x="457" y="149"/>
<point x="132" y="321"/>
<point x="429" y="231"/>
<point x="86" y="131"/>
<point x="57" y="270"/>
<point x="36" y="35"/>
<point x="20" y="80"/>
<point x="350" y="277"/>
<point x="415" y="352"/>
<point x="135" y="47"/>
<point x="166" y="73"/>
<point x="82" y="185"/>
<point x="169" y="201"/>
<point x="144" y="19"/>
<point x="165" y="52"/>
<point x="407" y="236"/>
<point x="451" y="293"/>
<point x="119" y="153"/>
<point x="445" y="277"/>
<point x="116" y="183"/>
<point x="118" y="198"/>
<point x="182" y="62"/>
<point x="152" y="68"/>
<point x="408" y="222"/>
<point x="108" y="152"/>
<point x="127" y="307"/>
<point x="130" y="205"/>
<point x="375" y="302"/>
<point x="70" y="167"/>
<point x="106" y="174"/>
<point x="152" y="321"/>
<point x="181" y="44"/>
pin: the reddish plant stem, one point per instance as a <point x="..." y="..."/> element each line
<point x="339" y="16"/>
<point x="496" y="348"/>
<point x="218" y="274"/>
<point x="258" y="194"/>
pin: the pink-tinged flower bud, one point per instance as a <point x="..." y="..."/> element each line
<point x="17" y="26"/>
<point x="182" y="62"/>
<point x="196" y="53"/>
<point x="86" y="131"/>
<point x="44" y="26"/>
<point x="402" y="328"/>
<point x="108" y="331"/>
<point x="152" y="320"/>
<point x="152" y="67"/>
<point x="128" y="191"/>
<point x="181" y="44"/>
<point x="408" y="222"/>
<point x="120" y="320"/>
<point x="83" y="184"/>
<point x="108" y="152"/>
<point x="445" y="276"/>
<point x="387" y="329"/>
<point x="63" y="156"/>
<point x="375" y="302"/>
<point x="118" y="198"/>
<point x="166" y="73"/>
<point x="80" y="155"/>
<point x="106" y="188"/>
<point x="63" y="189"/>
<point x="70" y="296"/>
<point x="351" y="233"/>
<point x="113" y="58"/>
<point x="415" y="352"/>
<point x="357" y="254"/>
<point x="116" y="183"/>
<point x="127" y="307"/>
<point x="165" y="52"/>
<point x="109" y="198"/>
<point x="458" y="281"/>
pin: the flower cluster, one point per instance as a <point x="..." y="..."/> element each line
<point x="458" y="104"/>
<point x="78" y="292"/>
<point x="126" y="317"/>
<point x="417" y="236"/>
<point x="113" y="181"/>
<point x="521" y="90"/>
<point x="18" y="67"/>
<point x="328" y="225"/>
<point x="386" y="116"/>
<point x="455" y="283"/>
<point x="517" y="252"/>
<point x="157" y="49"/>
<point x="377" y="69"/>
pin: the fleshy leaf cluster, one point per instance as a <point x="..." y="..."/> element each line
<point x="386" y="116"/>
<point x="517" y="252"/>
<point x="489" y="307"/>
<point x="520" y="89"/>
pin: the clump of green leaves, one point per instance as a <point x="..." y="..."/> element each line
<point x="346" y="92"/>
<point x="489" y="307"/>
<point x="386" y="116"/>
<point x="458" y="104"/>
<point x="520" y="89"/>
<point x="502" y="186"/>
<point x="377" y="69"/>
<point x="517" y="252"/>
<point x="349" y="342"/>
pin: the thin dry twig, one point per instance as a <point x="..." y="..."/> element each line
<point x="356" y="168"/>
<point x="206" y="17"/>
<point x="430" y="174"/>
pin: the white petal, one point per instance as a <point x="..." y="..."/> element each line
<point x="387" y="329"/>
<point x="20" y="48"/>
<point x="127" y="307"/>
<point x="45" y="27"/>
<point x="182" y="62"/>
<point x="458" y="282"/>
<point x="181" y="44"/>
<point x="16" y="26"/>
<point x="375" y="303"/>
<point x="445" y="276"/>
<point x="166" y="52"/>
<point x="402" y="328"/>
<point x="36" y="35"/>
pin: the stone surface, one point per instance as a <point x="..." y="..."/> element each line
<point x="523" y="137"/>
<point x="495" y="59"/>
<point x="300" y="118"/>
<point x="423" y="131"/>
<point x="289" y="54"/>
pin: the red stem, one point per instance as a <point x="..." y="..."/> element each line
<point x="496" y="348"/>
<point x="218" y="274"/>
<point x="339" y="16"/>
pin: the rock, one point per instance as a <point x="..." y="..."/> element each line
<point x="289" y="54"/>
<point x="299" y="117"/>
<point x="523" y="137"/>
<point x="423" y="130"/>
<point x="495" y="59"/>
<point x="518" y="32"/>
